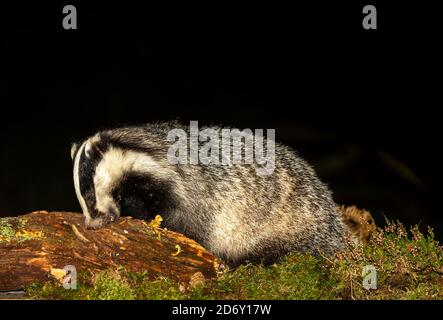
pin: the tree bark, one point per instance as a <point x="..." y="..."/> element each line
<point x="34" y="246"/>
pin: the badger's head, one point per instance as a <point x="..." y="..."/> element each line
<point x="111" y="181"/>
<point x="93" y="183"/>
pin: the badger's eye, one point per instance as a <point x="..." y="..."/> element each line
<point x="117" y="194"/>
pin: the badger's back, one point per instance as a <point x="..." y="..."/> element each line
<point x="230" y="209"/>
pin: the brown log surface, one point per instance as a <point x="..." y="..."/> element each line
<point x="43" y="241"/>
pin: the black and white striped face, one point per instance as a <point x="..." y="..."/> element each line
<point x="86" y="162"/>
<point x="112" y="181"/>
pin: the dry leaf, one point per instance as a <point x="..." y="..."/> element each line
<point x="156" y="222"/>
<point x="59" y="274"/>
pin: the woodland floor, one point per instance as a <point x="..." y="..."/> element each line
<point x="409" y="265"/>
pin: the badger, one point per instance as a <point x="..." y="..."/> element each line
<point x="235" y="213"/>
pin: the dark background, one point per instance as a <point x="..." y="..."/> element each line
<point x="361" y="106"/>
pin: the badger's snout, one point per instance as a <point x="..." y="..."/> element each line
<point x="95" y="223"/>
<point x="101" y="219"/>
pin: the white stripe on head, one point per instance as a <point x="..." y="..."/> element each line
<point x="80" y="198"/>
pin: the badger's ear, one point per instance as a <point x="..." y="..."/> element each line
<point x="74" y="149"/>
<point x="93" y="146"/>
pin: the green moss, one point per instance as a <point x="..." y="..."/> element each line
<point x="8" y="227"/>
<point x="54" y="290"/>
<point x="298" y="276"/>
<point x="105" y="285"/>
<point x="111" y="286"/>
<point x="160" y="289"/>
<point x="6" y="230"/>
<point x="407" y="264"/>
<point x="51" y="290"/>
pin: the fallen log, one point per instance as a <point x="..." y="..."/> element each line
<point x="36" y="246"/>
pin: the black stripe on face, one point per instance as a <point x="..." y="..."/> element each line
<point x="86" y="172"/>
<point x="143" y="196"/>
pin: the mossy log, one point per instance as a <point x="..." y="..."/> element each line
<point x="35" y="245"/>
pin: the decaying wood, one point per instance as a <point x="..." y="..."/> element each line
<point x="43" y="243"/>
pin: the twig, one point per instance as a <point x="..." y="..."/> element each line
<point x="78" y="234"/>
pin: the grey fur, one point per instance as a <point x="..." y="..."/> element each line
<point x="233" y="212"/>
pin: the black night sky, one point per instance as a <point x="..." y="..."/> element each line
<point x="361" y="106"/>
